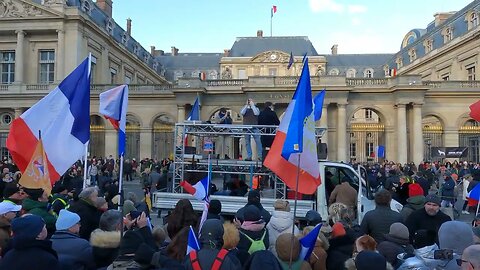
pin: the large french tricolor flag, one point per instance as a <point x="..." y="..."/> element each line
<point x="295" y="142"/>
<point x="114" y="106"/>
<point x="63" y="118"/>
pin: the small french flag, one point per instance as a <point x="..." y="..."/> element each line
<point x="308" y="242"/>
<point x="192" y="243"/>
<point x="199" y="190"/>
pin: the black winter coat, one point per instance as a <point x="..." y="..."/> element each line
<point x="376" y="223"/>
<point x="30" y="254"/>
<point x="89" y="217"/>
<point x="73" y="252"/>
<point x="340" y="250"/>
<point x="267" y="117"/>
<point x="420" y="220"/>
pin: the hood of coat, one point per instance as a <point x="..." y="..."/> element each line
<point x="416" y="202"/>
<point x="105" y="239"/>
<point x="280" y="221"/>
<point x="29" y="204"/>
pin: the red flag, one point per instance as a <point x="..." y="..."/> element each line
<point x="475" y="111"/>
<point x="273" y="10"/>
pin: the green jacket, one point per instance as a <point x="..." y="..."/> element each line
<point x="40" y="209"/>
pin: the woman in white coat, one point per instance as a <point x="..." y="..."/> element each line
<point x="280" y="222"/>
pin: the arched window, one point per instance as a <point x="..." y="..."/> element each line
<point x="368" y="73"/>
<point x="109" y="26"/>
<point x="86" y="6"/>
<point x="125" y="38"/>
<point x="351" y="73"/>
<point x="334" y="72"/>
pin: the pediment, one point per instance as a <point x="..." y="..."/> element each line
<point x="15" y="9"/>
<point x="273" y="56"/>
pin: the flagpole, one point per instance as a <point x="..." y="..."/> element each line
<point x="120" y="186"/>
<point x="271" y="22"/>
<point x="295" y="209"/>
<point x="85" y="166"/>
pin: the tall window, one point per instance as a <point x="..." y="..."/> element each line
<point x="448" y="35"/>
<point x="113" y="76"/>
<point x="369" y="148"/>
<point x="428" y="44"/>
<point x="272" y="71"/>
<point x="474" y="20"/>
<point x="368" y="114"/>
<point x="7" y="67"/>
<point x="47" y="66"/>
<point x="353" y="150"/>
<point x="471" y="73"/>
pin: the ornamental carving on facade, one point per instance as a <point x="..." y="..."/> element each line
<point x="16" y="9"/>
<point x="271" y="57"/>
<point x="54" y="2"/>
<point x="227" y="74"/>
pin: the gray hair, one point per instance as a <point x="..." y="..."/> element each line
<point x="132" y="197"/>
<point x="109" y="220"/>
<point x="87" y="192"/>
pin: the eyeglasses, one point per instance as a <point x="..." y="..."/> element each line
<point x="461" y="261"/>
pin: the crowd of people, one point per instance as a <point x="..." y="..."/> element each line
<point x="81" y="228"/>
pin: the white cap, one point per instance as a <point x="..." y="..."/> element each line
<point x="6" y="207"/>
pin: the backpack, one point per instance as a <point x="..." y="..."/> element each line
<point x="217" y="263"/>
<point x="256" y="245"/>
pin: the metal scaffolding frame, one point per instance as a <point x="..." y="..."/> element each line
<point x="184" y="162"/>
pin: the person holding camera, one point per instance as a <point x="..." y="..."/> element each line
<point x="250" y="114"/>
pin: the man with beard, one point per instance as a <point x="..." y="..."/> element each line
<point x="427" y="218"/>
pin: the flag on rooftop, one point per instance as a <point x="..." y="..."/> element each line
<point x="63" y="119"/>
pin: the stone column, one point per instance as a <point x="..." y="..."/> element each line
<point x="342" y="133"/>
<point x="104" y="67"/>
<point x="417" y="134"/>
<point x="19" y="55"/>
<point x="323" y="123"/>
<point x="180" y="113"/>
<point x="18" y="112"/>
<point x="60" y="59"/>
<point x="146" y="142"/>
<point x="401" y="134"/>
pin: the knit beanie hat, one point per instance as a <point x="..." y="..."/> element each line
<point x="211" y="234"/>
<point x="368" y="260"/>
<point x="338" y="230"/>
<point x="215" y="207"/>
<point x="455" y="235"/>
<point x="128" y="207"/>
<point x="27" y="227"/>
<point x="313" y="218"/>
<point x="281" y="205"/>
<point x="251" y="213"/>
<point x="34" y="193"/>
<point x="398" y="233"/>
<point x="415" y="190"/>
<point x="10" y="189"/>
<point x="432" y="199"/>
<point x="66" y="220"/>
<point x="283" y="244"/>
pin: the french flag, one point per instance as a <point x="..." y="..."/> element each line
<point x="195" y="112"/>
<point x="199" y="190"/>
<point x="308" y="242"/>
<point x="192" y="242"/>
<point x="63" y="119"/>
<point x="114" y="106"/>
<point x="295" y="139"/>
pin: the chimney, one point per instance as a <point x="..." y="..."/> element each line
<point x="152" y="50"/>
<point x="226" y="52"/>
<point x="441" y="17"/>
<point x="106" y="6"/>
<point x="129" y="26"/>
<point x="174" y="51"/>
<point x="335" y="49"/>
<point x="259" y="33"/>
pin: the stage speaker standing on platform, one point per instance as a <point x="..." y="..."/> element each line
<point x="268" y="117"/>
<point x="250" y="114"/>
